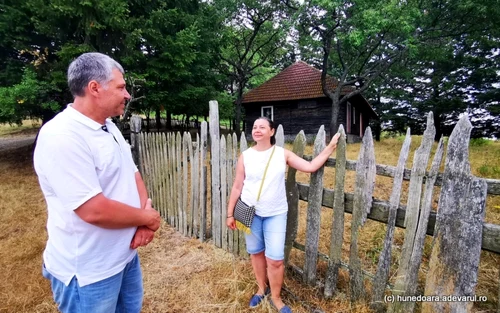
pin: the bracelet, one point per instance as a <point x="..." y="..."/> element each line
<point x="229" y="216"/>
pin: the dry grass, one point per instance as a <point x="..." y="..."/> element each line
<point x="184" y="275"/>
<point x="27" y="127"/>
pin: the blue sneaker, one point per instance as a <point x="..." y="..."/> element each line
<point x="256" y="299"/>
<point x="285" y="309"/>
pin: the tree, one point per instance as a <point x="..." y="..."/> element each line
<point x="356" y="42"/>
<point x="453" y="70"/>
<point x="253" y="36"/>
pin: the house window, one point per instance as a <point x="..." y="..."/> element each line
<point x="267" y="112"/>
<point x="307" y="104"/>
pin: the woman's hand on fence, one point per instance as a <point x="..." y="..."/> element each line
<point x="230" y="222"/>
<point x="335" y="139"/>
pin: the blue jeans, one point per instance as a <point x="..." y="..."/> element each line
<point x="268" y="234"/>
<point x="119" y="293"/>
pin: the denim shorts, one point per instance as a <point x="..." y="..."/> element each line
<point x="268" y="234"/>
<point x="120" y="293"/>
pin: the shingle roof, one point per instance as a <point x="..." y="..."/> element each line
<point x="298" y="81"/>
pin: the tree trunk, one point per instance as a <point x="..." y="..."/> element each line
<point x="238" y="109"/>
<point x="158" y="119"/>
<point x="169" y="120"/>
<point x="437" y="124"/>
<point x="334" y="123"/>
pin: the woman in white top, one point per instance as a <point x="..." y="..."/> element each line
<point x="266" y="242"/>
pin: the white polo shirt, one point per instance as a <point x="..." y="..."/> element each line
<point x="75" y="160"/>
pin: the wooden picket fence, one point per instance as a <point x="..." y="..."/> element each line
<point x="176" y="168"/>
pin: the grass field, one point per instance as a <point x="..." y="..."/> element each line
<point x="184" y="275"/>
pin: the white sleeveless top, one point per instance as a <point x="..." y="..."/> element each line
<point x="273" y="195"/>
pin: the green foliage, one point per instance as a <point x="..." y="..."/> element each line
<point x="26" y="99"/>
<point x="490" y="171"/>
<point x="479" y="142"/>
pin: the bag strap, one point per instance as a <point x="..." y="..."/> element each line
<point x="265" y="171"/>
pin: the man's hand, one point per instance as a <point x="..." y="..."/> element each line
<point x="153" y="216"/>
<point x="143" y="236"/>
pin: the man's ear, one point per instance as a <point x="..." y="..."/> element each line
<point x="93" y="87"/>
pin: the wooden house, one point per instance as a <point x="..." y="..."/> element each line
<point x="294" y="99"/>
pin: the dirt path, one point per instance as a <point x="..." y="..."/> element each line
<point x="8" y="143"/>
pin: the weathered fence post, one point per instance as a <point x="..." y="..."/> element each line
<point x="313" y="220"/>
<point x="384" y="261"/>
<point x="135" y="129"/>
<point x="337" y="235"/>
<point x="203" y="181"/>
<point x="292" y="194"/>
<point x="420" y="161"/>
<point x="215" y="169"/>
<point x="178" y="185"/>
<point x="223" y="190"/>
<point x="365" y="182"/>
<point x="229" y="174"/>
<point x="280" y="136"/>
<point x="241" y="235"/>
<point x="454" y="261"/>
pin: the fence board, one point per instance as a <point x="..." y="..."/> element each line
<point x="165" y="174"/>
<point x="337" y="235"/>
<point x="195" y="184"/>
<point x="215" y="169"/>
<point x="313" y="219"/>
<point x="241" y="235"/>
<point x="229" y="175"/>
<point x="389" y="171"/>
<point x="365" y="182"/>
<point x="203" y="181"/>
<point x="292" y="194"/>
<point x="384" y="261"/>
<point x="173" y="180"/>
<point x="420" y="161"/>
<point x="178" y="172"/>
<point x="223" y="190"/>
<point x="280" y="136"/>
<point x="454" y="261"/>
<point x="185" y="178"/>
<point x="411" y="278"/>
<point x="135" y="129"/>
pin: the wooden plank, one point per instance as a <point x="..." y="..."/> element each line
<point x="223" y="190"/>
<point x="234" y="157"/>
<point x="313" y="220"/>
<point x="196" y="188"/>
<point x="389" y="171"/>
<point x="185" y="178"/>
<point x="172" y="180"/>
<point x="454" y="262"/>
<point x="135" y="129"/>
<point x="166" y="173"/>
<point x="337" y="234"/>
<point x="384" y="261"/>
<point x="193" y="182"/>
<point x="292" y="195"/>
<point x="178" y="172"/>
<point x="229" y="174"/>
<point x="380" y="212"/>
<point x="242" y="251"/>
<point x="280" y="136"/>
<point x="365" y="182"/>
<point x="418" y="172"/>
<point x="411" y="279"/>
<point x="215" y="169"/>
<point x="203" y="181"/>
<point x="163" y="170"/>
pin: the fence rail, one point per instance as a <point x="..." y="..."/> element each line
<point x="176" y="172"/>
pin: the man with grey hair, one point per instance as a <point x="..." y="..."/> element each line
<point x="97" y="203"/>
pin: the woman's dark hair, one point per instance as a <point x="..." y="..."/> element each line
<point x="271" y="125"/>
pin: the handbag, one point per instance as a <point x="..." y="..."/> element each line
<point x="244" y="213"/>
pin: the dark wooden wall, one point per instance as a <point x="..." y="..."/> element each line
<point x="306" y="114"/>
